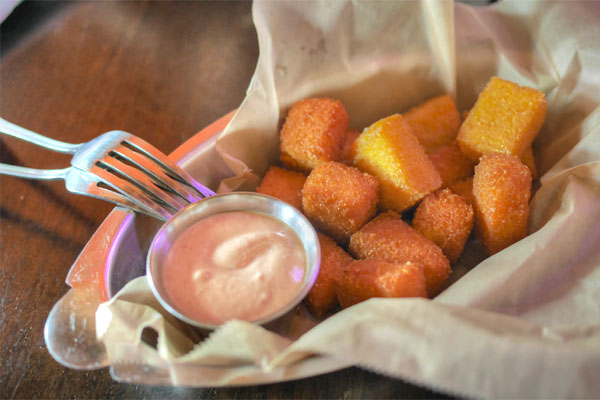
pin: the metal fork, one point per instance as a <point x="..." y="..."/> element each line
<point x="116" y="166"/>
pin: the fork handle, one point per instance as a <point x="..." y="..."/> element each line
<point x="11" y="129"/>
<point x="32" y="173"/>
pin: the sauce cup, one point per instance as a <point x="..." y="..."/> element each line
<point x="250" y="202"/>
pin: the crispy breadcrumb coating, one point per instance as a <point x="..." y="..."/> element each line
<point x="339" y="199"/>
<point x="388" y="237"/>
<point x="451" y="163"/>
<point x="283" y="184"/>
<point x="435" y="122"/>
<point x="313" y="132"/>
<point x="322" y="298"/>
<point x="365" y="279"/>
<point x="446" y="219"/>
<point x="502" y="189"/>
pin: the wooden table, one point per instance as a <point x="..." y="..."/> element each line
<point x="161" y="70"/>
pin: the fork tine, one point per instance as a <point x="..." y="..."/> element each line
<point x="142" y="181"/>
<point x="123" y="193"/>
<point x="131" y="189"/>
<point x="150" y="168"/>
<point x="168" y="166"/>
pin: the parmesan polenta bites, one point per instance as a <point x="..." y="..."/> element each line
<point x="446" y="219"/>
<point x="284" y="185"/>
<point x="388" y="150"/>
<point x="529" y="159"/>
<point x="451" y="163"/>
<point x="313" y="132"/>
<point x="464" y="188"/>
<point x="505" y="119"/>
<point x="339" y="199"/>
<point x="365" y="279"/>
<point x="435" y="123"/>
<point x="502" y="189"/>
<point x="322" y="297"/>
<point x="388" y="237"/>
<point x="347" y="155"/>
<point x="399" y="162"/>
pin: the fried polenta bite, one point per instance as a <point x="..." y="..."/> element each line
<point x="464" y="188"/>
<point x="502" y="189"/>
<point x="529" y="159"/>
<point x="313" y="132"/>
<point x="505" y="119"/>
<point x="388" y="150"/>
<point x="322" y="297"/>
<point x="284" y="185"/>
<point x="347" y="156"/>
<point x="388" y="237"/>
<point x="446" y="219"/>
<point x="365" y="279"/>
<point x="435" y="123"/>
<point x="451" y="163"/>
<point x="339" y="199"/>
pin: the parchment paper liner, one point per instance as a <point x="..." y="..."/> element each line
<point x="523" y="323"/>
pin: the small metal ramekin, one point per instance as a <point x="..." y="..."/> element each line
<point x="236" y="201"/>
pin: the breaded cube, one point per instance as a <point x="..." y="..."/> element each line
<point x="435" y="122"/>
<point x="283" y="184"/>
<point x="365" y="279"/>
<point x="505" y="119"/>
<point x="347" y="156"/>
<point x="464" y="188"/>
<point x="339" y="199"/>
<point x="528" y="159"/>
<point x="388" y="150"/>
<point x="446" y="219"/>
<point x="451" y="163"/>
<point x="322" y="297"/>
<point x="313" y="132"/>
<point x="502" y="188"/>
<point x="388" y="237"/>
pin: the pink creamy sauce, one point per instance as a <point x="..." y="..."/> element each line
<point x="242" y="265"/>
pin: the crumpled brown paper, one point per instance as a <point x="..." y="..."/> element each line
<point x="523" y="323"/>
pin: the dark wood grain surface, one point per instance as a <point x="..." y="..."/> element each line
<point x="161" y="70"/>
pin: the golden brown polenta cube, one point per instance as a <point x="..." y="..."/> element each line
<point x="435" y="122"/>
<point x="528" y="159"/>
<point x="502" y="188"/>
<point x="446" y="219"/>
<point x="388" y="150"/>
<point x="505" y="119"/>
<point x="322" y="297"/>
<point x="347" y="156"/>
<point x="284" y="185"/>
<point x="339" y="199"/>
<point x="388" y="237"/>
<point x="451" y="163"/>
<point x="464" y="188"/>
<point x="313" y="132"/>
<point x="365" y="279"/>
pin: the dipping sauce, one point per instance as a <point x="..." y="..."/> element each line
<point x="238" y="264"/>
